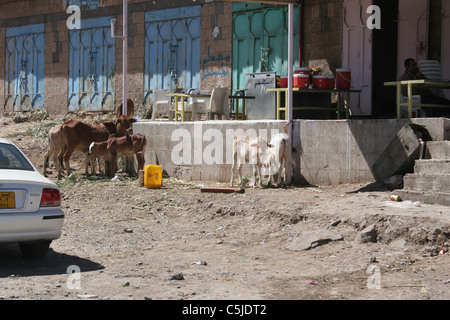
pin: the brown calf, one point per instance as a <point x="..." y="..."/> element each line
<point x="124" y="125"/>
<point x="115" y="147"/>
<point x="54" y="145"/>
<point x="77" y="136"/>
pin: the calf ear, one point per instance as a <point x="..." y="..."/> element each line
<point x="270" y="145"/>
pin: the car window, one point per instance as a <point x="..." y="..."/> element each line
<point x="12" y="158"/>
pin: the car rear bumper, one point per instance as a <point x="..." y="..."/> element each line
<point x="45" y="224"/>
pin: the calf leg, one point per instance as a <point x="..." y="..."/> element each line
<point x="233" y="165"/>
<point x="281" y="172"/>
<point x="140" y="160"/>
<point x="90" y="159"/>
<point x="232" y="174"/>
<point x="59" y="163"/>
<point x="46" y="160"/>
<point x="241" y="182"/>
<point x="257" y="172"/>
<point x="108" y="168"/>
<point x="66" y="158"/>
<point x="113" y="164"/>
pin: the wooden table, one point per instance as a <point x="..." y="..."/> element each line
<point x="416" y="83"/>
<point x="343" y="104"/>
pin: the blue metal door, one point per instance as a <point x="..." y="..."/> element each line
<point x="172" y="50"/>
<point x="24" y="76"/>
<point x="92" y="66"/>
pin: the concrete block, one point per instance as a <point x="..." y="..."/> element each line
<point x="432" y="166"/>
<point x="427" y="183"/>
<point x="438" y="149"/>
<point x="400" y="154"/>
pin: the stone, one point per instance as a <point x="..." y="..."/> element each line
<point x="177" y="276"/>
<point x="311" y="239"/>
<point x="369" y="234"/>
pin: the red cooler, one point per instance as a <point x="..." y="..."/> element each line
<point x="284" y="81"/>
<point x="320" y="82"/>
<point x="331" y="82"/>
<point x="343" y="79"/>
<point x="302" y="70"/>
<point x="301" y="81"/>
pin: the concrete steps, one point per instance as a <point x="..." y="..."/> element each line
<point x="430" y="182"/>
<point x="437" y="150"/>
<point x="427" y="182"/>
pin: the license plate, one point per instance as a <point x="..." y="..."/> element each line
<point x="7" y="200"/>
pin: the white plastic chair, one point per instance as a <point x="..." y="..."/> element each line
<point x="199" y="106"/>
<point x="219" y="103"/>
<point x="432" y="70"/>
<point x="161" y="104"/>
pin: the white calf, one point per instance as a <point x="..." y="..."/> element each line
<point x="279" y="156"/>
<point x="249" y="150"/>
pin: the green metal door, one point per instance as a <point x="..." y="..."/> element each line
<point x="260" y="40"/>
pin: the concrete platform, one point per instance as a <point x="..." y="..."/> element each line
<point x="326" y="152"/>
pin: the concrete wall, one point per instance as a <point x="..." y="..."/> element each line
<point x="326" y="152"/>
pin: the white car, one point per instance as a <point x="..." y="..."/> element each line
<point x="30" y="204"/>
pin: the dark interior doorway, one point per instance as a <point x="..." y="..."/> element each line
<point x="384" y="67"/>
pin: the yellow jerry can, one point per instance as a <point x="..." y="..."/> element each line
<point x="153" y="176"/>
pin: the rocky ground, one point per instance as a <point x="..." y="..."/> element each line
<point x="122" y="241"/>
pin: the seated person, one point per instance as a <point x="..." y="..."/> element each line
<point x="412" y="72"/>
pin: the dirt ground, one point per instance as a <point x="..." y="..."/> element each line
<point x="122" y="241"/>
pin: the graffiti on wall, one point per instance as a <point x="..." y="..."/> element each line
<point x="218" y="65"/>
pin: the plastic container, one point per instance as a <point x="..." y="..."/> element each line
<point x="331" y="81"/>
<point x="343" y="79"/>
<point x="284" y="81"/>
<point x="301" y="81"/>
<point x="320" y="82"/>
<point x="153" y="176"/>
<point x="302" y="70"/>
<point x="431" y="69"/>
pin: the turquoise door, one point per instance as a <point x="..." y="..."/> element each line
<point x="24" y="76"/>
<point x="260" y="40"/>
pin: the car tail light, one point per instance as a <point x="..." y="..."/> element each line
<point x="51" y="198"/>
